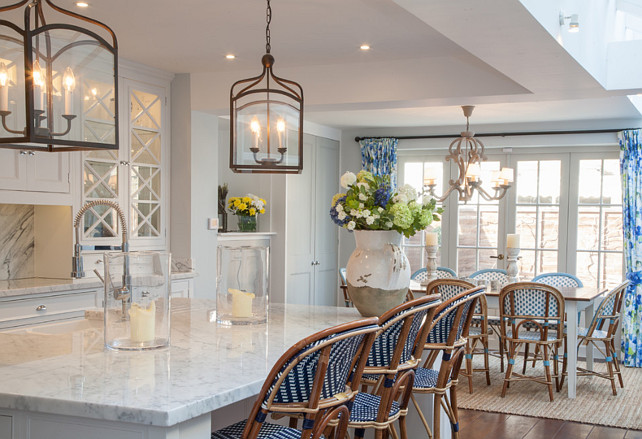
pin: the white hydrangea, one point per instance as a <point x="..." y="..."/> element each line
<point x="399" y="198"/>
<point x="339" y="207"/>
<point x="366" y="213"/>
<point x="380" y="209"/>
<point x="351" y="225"/>
<point x="348" y="179"/>
<point x="370" y="220"/>
<point x="363" y="197"/>
<point x="353" y="212"/>
<point x="389" y="224"/>
<point x="363" y="185"/>
<point x="361" y="205"/>
<point x="341" y="215"/>
<point x="409" y="192"/>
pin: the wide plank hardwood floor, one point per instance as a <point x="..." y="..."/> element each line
<point x="475" y="424"/>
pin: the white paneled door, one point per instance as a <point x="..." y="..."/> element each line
<point x="312" y="238"/>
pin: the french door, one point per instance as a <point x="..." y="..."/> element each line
<point x="565" y="206"/>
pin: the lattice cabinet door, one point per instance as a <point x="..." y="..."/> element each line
<point x="147" y="179"/>
<point x="100" y="169"/>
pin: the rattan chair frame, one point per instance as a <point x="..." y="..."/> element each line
<point x="544" y="324"/>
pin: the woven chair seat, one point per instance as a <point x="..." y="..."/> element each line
<point x="531" y="335"/>
<point x="268" y="431"/>
<point x="366" y="408"/>
<point x="598" y="333"/>
<point x="426" y="378"/>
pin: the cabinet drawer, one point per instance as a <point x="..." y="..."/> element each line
<point x="47" y="305"/>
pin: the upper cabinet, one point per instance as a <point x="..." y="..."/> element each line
<point x="34" y="171"/>
<point x="136" y="176"/>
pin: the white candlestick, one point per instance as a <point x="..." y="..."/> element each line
<point x="4" y="98"/>
<point x="512" y="269"/>
<point x="142" y="323"/>
<point x="67" y="102"/>
<point x="432" y="238"/>
<point x="241" y="303"/>
<point x="431" y="264"/>
<point x="512" y="241"/>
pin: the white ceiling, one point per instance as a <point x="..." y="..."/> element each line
<point x="427" y="58"/>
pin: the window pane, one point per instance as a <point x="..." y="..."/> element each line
<point x="488" y="226"/>
<point x="487" y="169"/>
<point x="485" y="260"/>
<point x="466" y="261"/>
<point x="587" y="267"/>
<point x="612" y="229"/>
<point x="547" y="262"/>
<point x="525" y="225"/>
<point x="413" y="175"/>
<point x="526" y="184"/>
<point x="588" y="228"/>
<point x="414" y="255"/>
<point x="550" y="175"/>
<point x="612" y="272"/>
<point x="434" y="173"/>
<point x="549" y="227"/>
<point x="612" y="187"/>
<point x="590" y="181"/>
<point x="467" y="225"/>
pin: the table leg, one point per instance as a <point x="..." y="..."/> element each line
<point x="588" y="315"/>
<point x="571" y="342"/>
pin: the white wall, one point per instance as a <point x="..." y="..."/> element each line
<point x="194" y="155"/>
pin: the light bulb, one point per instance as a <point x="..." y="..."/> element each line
<point x="38" y="76"/>
<point x="473" y="172"/>
<point x="4" y="75"/>
<point x="507" y="175"/>
<point x="280" y="126"/>
<point x="68" y="79"/>
<point x="255" y="126"/>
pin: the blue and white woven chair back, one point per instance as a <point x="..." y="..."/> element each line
<point x="448" y="325"/>
<point x="449" y="288"/>
<point x="446" y="273"/>
<point x="609" y="309"/>
<point x="389" y="339"/>
<point x="294" y="382"/>
<point x="558" y="280"/>
<point x="533" y="304"/>
<point x="420" y="275"/>
<point x="491" y="274"/>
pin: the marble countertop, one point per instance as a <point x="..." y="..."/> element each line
<point x="207" y="366"/>
<point x="40" y="285"/>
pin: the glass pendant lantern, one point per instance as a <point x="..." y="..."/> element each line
<point x="58" y="81"/>
<point x="266" y="121"/>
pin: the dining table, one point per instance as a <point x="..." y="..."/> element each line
<point x="576" y="300"/>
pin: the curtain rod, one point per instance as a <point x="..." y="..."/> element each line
<point x="518" y="133"/>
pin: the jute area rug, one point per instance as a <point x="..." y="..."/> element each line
<point x="595" y="403"/>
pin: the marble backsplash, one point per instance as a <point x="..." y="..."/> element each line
<point x="16" y="241"/>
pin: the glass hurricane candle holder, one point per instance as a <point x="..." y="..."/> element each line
<point x="137" y="289"/>
<point x="242" y="285"/>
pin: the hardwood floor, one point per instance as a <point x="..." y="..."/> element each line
<point x="478" y="425"/>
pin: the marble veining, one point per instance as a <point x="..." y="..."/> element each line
<point x="16" y="241"/>
<point x="206" y="367"/>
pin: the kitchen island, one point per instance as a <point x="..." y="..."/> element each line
<point x="58" y="382"/>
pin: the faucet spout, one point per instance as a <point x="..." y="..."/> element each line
<point x="77" y="261"/>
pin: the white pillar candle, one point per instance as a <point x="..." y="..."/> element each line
<point x="432" y="238"/>
<point x="67" y="102"/>
<point x="241" y="303"/>
<point x="512" y="241"/>
<point x="4" y="98"/>
<point x="142" y="323"/>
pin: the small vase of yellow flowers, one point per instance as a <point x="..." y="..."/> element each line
<point x="247" y="208"/>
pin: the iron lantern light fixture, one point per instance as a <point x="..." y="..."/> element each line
<point x="58" y="81"/>
<point x="266" y="120"/>
<point x="467" y="153"/>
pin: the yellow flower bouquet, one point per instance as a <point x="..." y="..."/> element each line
<point x="248" y="205"/>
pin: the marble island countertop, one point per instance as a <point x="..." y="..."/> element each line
<point x="51" y="370"/>
<point x="42" y="285"/>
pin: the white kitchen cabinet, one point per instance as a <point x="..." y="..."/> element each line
<point x="312" y="237"/>
<point x="34" y="171"/>
<point x="136" y="176"/>
<point x="6" y="429"/>
<point x="40" y="308"/>
<point x="182" y="288"/>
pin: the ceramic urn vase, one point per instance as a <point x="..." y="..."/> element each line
<point x="378" y="272"/>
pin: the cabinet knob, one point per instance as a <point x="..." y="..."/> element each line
<point x="41" y="308"/>
<point x="31" y="153"/>
<point x="124" y="163"/>
<point x="23" y="152"/>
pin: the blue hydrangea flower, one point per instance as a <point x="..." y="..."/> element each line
<point x="382" y="195"/>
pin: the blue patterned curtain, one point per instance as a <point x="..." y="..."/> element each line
<point x="379" y="156"/>
<point x="631" y="170"/>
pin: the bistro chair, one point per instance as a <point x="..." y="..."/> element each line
<point x="478" y="333"/>
<point x="389" y="372"/>
<point x="317" y="378"/>
<point x="442" y="273"/>
<point x="446" y="335"/>
<point x="491" y="274"/>
<point x="344" y="287"/>
<point x="609" y="310"/>
<point x="541" y="307"/>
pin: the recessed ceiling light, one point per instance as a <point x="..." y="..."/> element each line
<point x="230" y="56"/>
<point x="364" y="47"/>
<point x="82" y="4"/>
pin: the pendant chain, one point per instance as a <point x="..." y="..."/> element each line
<point x="268" y="19"/>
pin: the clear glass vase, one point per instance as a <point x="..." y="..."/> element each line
<point x="242" y="284"/>
<point x="137" y="289"/>
<point x="247" y="223"/>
